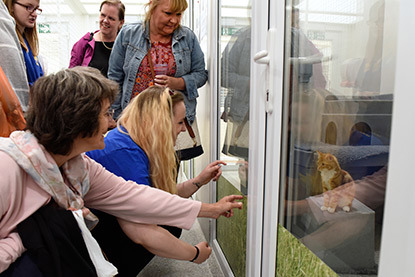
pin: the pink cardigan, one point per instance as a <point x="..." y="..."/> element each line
<point x="20" y="197"/>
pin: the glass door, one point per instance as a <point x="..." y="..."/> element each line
<point x="337" y="76"/>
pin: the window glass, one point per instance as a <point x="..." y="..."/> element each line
<point x="235" y="48"/>
<point x="339" y="72"/>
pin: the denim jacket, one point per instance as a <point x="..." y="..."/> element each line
<point x="130" y="47"/>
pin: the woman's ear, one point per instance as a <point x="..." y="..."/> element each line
<point x="120" y="26"/>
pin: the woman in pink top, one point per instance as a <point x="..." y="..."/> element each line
<point x="68" y="116"/>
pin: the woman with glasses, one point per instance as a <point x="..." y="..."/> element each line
<point x="25" y="13"/>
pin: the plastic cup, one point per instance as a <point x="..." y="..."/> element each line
<point x="160" y="68"/>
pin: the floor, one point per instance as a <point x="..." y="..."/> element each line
<point x="160" y="267"/>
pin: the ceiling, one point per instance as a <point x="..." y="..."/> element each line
<point x="87" y="7"/>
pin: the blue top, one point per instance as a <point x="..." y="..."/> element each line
<point x="130" y="47"/>
<point x="33" y="68"/>
<point x="123" y="157"/>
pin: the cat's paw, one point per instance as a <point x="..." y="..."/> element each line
<point x="346" y="209"/>
<point x="331" y="210"/>
<point x="323" y="208"/>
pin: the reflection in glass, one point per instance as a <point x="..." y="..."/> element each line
<point x="235" y="70"/>
<point x="339" y="80"/>
<point x="234" y="127"/>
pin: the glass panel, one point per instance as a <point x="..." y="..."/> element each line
<point x="235" y="42"/>
<point x="339" y="79"/>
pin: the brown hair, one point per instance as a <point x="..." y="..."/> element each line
<point x="66" y="105"/>
<point x="175" y="6"/>
<point x="29" y="33"/>
<point x="118" y="4"/>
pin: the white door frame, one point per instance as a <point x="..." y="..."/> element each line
<point x="398" y="240"/>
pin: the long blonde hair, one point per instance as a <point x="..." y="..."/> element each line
<point x="175" y="6"/>
<point x="148" y="120"/>
<point x="29" y="33"/>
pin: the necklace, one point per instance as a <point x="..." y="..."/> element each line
<point x="109" y="48"/>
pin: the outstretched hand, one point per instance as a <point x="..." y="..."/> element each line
<point x="211" y="172"/>
<point x="223" y="207"/>
<point x="229" y="201"/>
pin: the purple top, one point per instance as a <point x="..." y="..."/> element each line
<point x="82" y="51"/>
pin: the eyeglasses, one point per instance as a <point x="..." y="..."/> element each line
<point x="110" y="113"/>
<point x="30" y="8"/>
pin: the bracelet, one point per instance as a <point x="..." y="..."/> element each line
<point x="197" y="254"/>
<point x="196" y="184"/>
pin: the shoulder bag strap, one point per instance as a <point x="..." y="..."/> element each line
<point x="150" y="61"/>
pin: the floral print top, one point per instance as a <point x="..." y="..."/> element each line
<point x="161" y="53"/>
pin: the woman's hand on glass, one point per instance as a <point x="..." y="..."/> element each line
<point x="211" y="172"/>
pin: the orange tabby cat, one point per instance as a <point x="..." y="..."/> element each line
<point x="338" y="185"/>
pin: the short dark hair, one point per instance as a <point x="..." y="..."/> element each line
<point x="66" y="105"/>
<point x="118" y="4"/>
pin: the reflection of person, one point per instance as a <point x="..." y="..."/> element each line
<point x="141" y="149"/>
<point x="235" y="68"/>
<point x="25" y="15"/>
<point x="94" y="49"/>
<point x="11" y="57"/>
<point x="235" y="76"/>
<point x="307" y="68"/>
<point x="46" y="162"/>
<point x="159" y="41"/>
<point x="364" y="74"/>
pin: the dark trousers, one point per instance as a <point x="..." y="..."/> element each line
<point x="127" y="256"/>
<point x="22" y="267"/>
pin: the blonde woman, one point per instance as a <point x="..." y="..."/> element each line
<point x="141" y="149"/>
<point x="158" y="51"/>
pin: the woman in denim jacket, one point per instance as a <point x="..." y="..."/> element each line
<point x="159" y="52"/>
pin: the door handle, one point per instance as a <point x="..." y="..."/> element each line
<point x="261" y="57"/>
<point x="264" y="57"/>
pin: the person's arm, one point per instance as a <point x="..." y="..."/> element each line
<point x="143" y="204"/>
<point x="211" y="172"/>
<point x="11" y="247"/>
<point x="115" y="69"/>
<point x="77" y="52"/>
<point x="20" y="197"/>
<point x="162" y="243"/>
<point x="223" y="207"/>
<point x="197" y="75"/>
<point x="11" y="58"/>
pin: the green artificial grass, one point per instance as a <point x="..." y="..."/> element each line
<point x="231" y="232"/>
<point x="295" y="259"/>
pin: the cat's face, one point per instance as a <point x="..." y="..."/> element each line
<point x="326" y="161"/>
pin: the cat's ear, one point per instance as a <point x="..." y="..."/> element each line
<point x="319" y="153"/>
